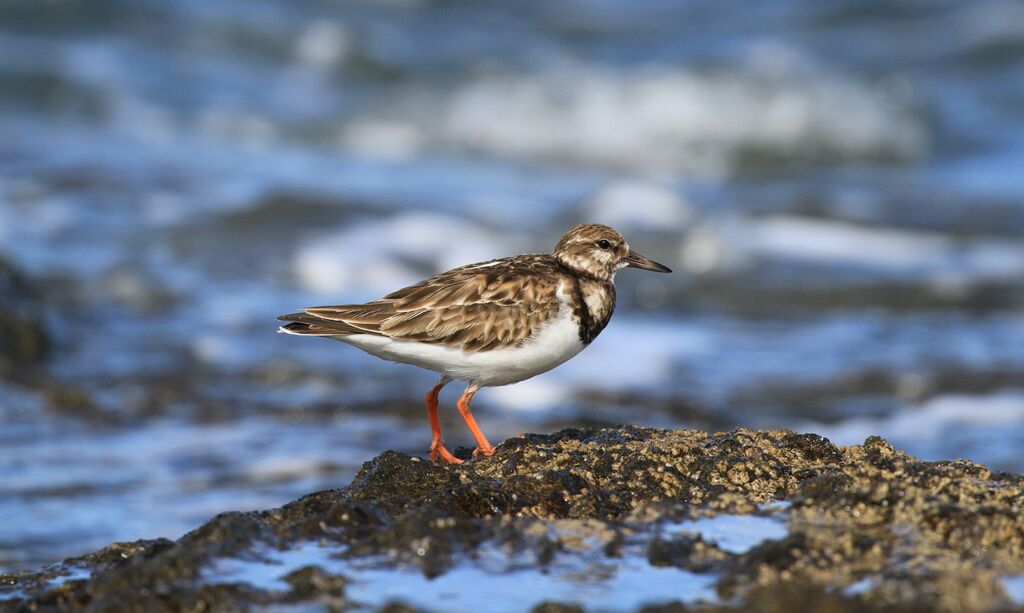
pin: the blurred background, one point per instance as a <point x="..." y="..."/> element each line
<point x="839" y="186"/>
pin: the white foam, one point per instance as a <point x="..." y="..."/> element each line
<point x="324" y="44"/>
<point x="623" y="584"/>
<point x="716" y="245"/>
<point x="379" y="256"/>
<point x="730" y="242"/>
<point x="830" y="241"/>
<point x="384" y="139"/>
<point x="733" y="533"/>
<point x="990" y="24"/>
<point x="539" y="394"/>
<point x="638" y="204"/>
<point x="664" y="120"/>
<point x="863" y="586"/>
<point x="283" y="467"/>
<point x="931" y="420"/>
<point x="607" y="584"/>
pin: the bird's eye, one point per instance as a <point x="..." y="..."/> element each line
<point x="603" y="244"/>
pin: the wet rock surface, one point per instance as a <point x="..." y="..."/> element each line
<point x="862" y="526"/>
<point x="24" y="341"/>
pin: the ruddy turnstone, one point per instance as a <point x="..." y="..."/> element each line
<point x="491" y="323"/>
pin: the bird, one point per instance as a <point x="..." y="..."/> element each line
<point x="490" y="323"/>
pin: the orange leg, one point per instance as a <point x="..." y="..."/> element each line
<point x="482" y="446"/>
<point x="437" y="444"/>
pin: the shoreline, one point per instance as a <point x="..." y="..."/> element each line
<point x="579" y="518"/>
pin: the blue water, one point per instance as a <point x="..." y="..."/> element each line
<point x="838" y="186"/>
<point x="585" y="577"/>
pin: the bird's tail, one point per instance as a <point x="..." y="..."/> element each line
<point x="304" y="324"/>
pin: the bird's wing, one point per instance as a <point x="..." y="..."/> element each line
<point x="477" y="307"/>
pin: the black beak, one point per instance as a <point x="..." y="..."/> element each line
<point x="635" y="260"/>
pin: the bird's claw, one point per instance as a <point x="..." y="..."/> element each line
<point x="437" y="448"/>
<point x="485" y="451"/>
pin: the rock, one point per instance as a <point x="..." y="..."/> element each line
<point x="23" y="339"/>
<point x="866" y="526"/>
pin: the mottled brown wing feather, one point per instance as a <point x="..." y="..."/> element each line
<point x="477" y="307"/>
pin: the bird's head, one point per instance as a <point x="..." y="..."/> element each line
<point x="600" y="251"/>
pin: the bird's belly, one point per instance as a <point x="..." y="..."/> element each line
<point x="555" y="342"/>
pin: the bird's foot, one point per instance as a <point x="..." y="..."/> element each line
<point x="437" y="448"/>
<point x="485" y="451"/>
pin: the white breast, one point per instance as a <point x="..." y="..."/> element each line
<point x="556" y="341"/>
